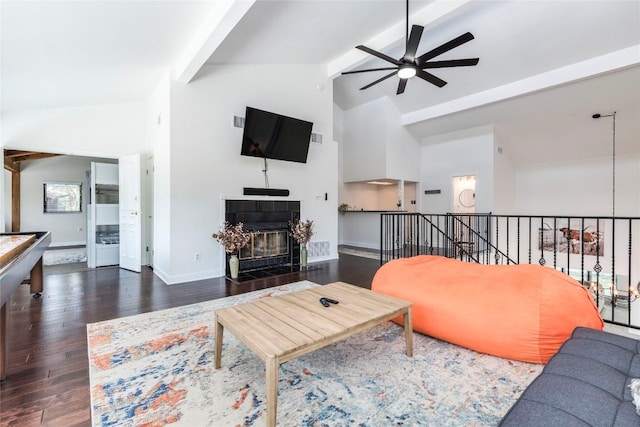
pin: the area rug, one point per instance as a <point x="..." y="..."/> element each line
<point x="157" y="369"/>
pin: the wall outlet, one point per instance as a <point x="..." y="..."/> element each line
<point x="196" y="257"/>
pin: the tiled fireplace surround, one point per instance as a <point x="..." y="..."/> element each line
<point x="275" y="252"/>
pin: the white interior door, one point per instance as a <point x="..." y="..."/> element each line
<point x="464" y="194"/>
<point x="130" y="215"/>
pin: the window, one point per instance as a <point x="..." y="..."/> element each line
<point x="62" y="197"/>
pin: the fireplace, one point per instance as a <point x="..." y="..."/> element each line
<point x="266" y="244"/>
<point x="271" y="251"/>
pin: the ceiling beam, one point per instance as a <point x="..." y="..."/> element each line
<point x="224" y="16"/>
<point x="428" y="15"/>
<point x="17" y="156"/>
<point x="13" y="158"/>
<point x="593" y="67"/>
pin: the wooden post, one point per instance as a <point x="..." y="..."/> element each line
<point x="15" y="198"/>
<point x="4" y="359"/>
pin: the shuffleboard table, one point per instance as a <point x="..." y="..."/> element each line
<point x="20" y="255"/>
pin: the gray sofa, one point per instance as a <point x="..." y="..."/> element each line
<point x="585" y="384"/>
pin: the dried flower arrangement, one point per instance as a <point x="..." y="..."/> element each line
<point x="233" y="237"/>
<point x="302" y="231"/>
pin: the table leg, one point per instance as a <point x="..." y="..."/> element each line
<point x="4" y="359"/>
<point x="408" y="332"/>
<point x="35" y="279"/>
<point x="218" y="355"/>
<point x="272" y="368"/>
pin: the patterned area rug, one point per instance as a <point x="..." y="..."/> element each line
<point x="156" y="369"/>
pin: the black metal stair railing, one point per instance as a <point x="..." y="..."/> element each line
<point x="602" y="253"/>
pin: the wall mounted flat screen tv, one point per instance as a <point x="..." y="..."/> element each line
<point x="274" y="136"/>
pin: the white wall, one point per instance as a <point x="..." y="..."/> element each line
<point x="338" y="136"/>
<point x="402" y="149"/>
<point x="463" y="153"/>
<point x="579" y="188"/>
<point x="365" y="140"/>
<point x="109" y="131"/>
<point x="68" y="228"/>
<point x="158" y="126"/>
<point x="377" y="146"/>
<point x="504" y="178"/>
<point x="206" y="165"/>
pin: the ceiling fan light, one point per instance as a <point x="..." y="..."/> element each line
<point x="406" y="72"/>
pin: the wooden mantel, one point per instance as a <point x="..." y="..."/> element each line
<point x="12" y="161"/>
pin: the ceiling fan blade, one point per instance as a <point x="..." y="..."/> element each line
<point x="413" y="42"/>
<point x="378" y="54"/>
<point x="370" y="69"/>
<point x="378" y="81"/>
<point x="451" y="44"/>
<point x="430" y="78"/>
<point x="401" y="85"/>
<point x="451" y="63"/>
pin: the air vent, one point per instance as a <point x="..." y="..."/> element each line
<point x="317" y="249"/>
<point x="238" y="122"/>
<point x="316" y="137"/>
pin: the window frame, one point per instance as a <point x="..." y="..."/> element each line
<point x="50" y="186"/>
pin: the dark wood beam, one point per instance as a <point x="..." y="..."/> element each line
<point x="15" y="200"/>
<point x="12" y="161"/>
<point x="17" y="156"/>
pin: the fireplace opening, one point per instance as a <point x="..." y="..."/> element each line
<point x="265" y="244"/>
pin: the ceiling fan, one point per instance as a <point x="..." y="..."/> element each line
<point x="410" y="65"/>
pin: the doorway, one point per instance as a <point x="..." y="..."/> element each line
<point x="464" y="194"/>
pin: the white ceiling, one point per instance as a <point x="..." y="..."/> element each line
<point x="83" y="52"/>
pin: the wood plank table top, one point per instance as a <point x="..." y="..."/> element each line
<point x="11" y="246"/>
<point x="284" y="327"/>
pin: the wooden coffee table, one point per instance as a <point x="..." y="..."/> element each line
<point x="284" y="327"/>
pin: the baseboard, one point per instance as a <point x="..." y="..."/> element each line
<point x="176" y="279"/>
<point x="365" y="245"/>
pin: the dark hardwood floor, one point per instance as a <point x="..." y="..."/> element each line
<point x="48" y="377"/>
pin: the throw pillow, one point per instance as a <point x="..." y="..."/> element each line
<point x="635" y="393"/>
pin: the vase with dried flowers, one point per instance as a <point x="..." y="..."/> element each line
<point x="233" y="238"/>
<point x="302" y="232"/>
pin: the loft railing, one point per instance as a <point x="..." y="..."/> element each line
<point x="602" y="253"/>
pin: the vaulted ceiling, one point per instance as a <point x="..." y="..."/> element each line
<point x="545" y="66"/>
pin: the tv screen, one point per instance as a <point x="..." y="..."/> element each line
<point x="273" y="136"/>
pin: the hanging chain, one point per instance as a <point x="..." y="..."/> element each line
<point x="406" y="43"/>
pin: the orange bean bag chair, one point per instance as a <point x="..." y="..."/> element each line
<point x="519" y="312"/>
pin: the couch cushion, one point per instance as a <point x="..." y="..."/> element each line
<point x="539" y="415"/>
<point x="589" y="371"/>
<point x="626" y="416"/>
<point x="574" y="397"/>
<point x="585" y="383"/>
<point x="600" y="352"/>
